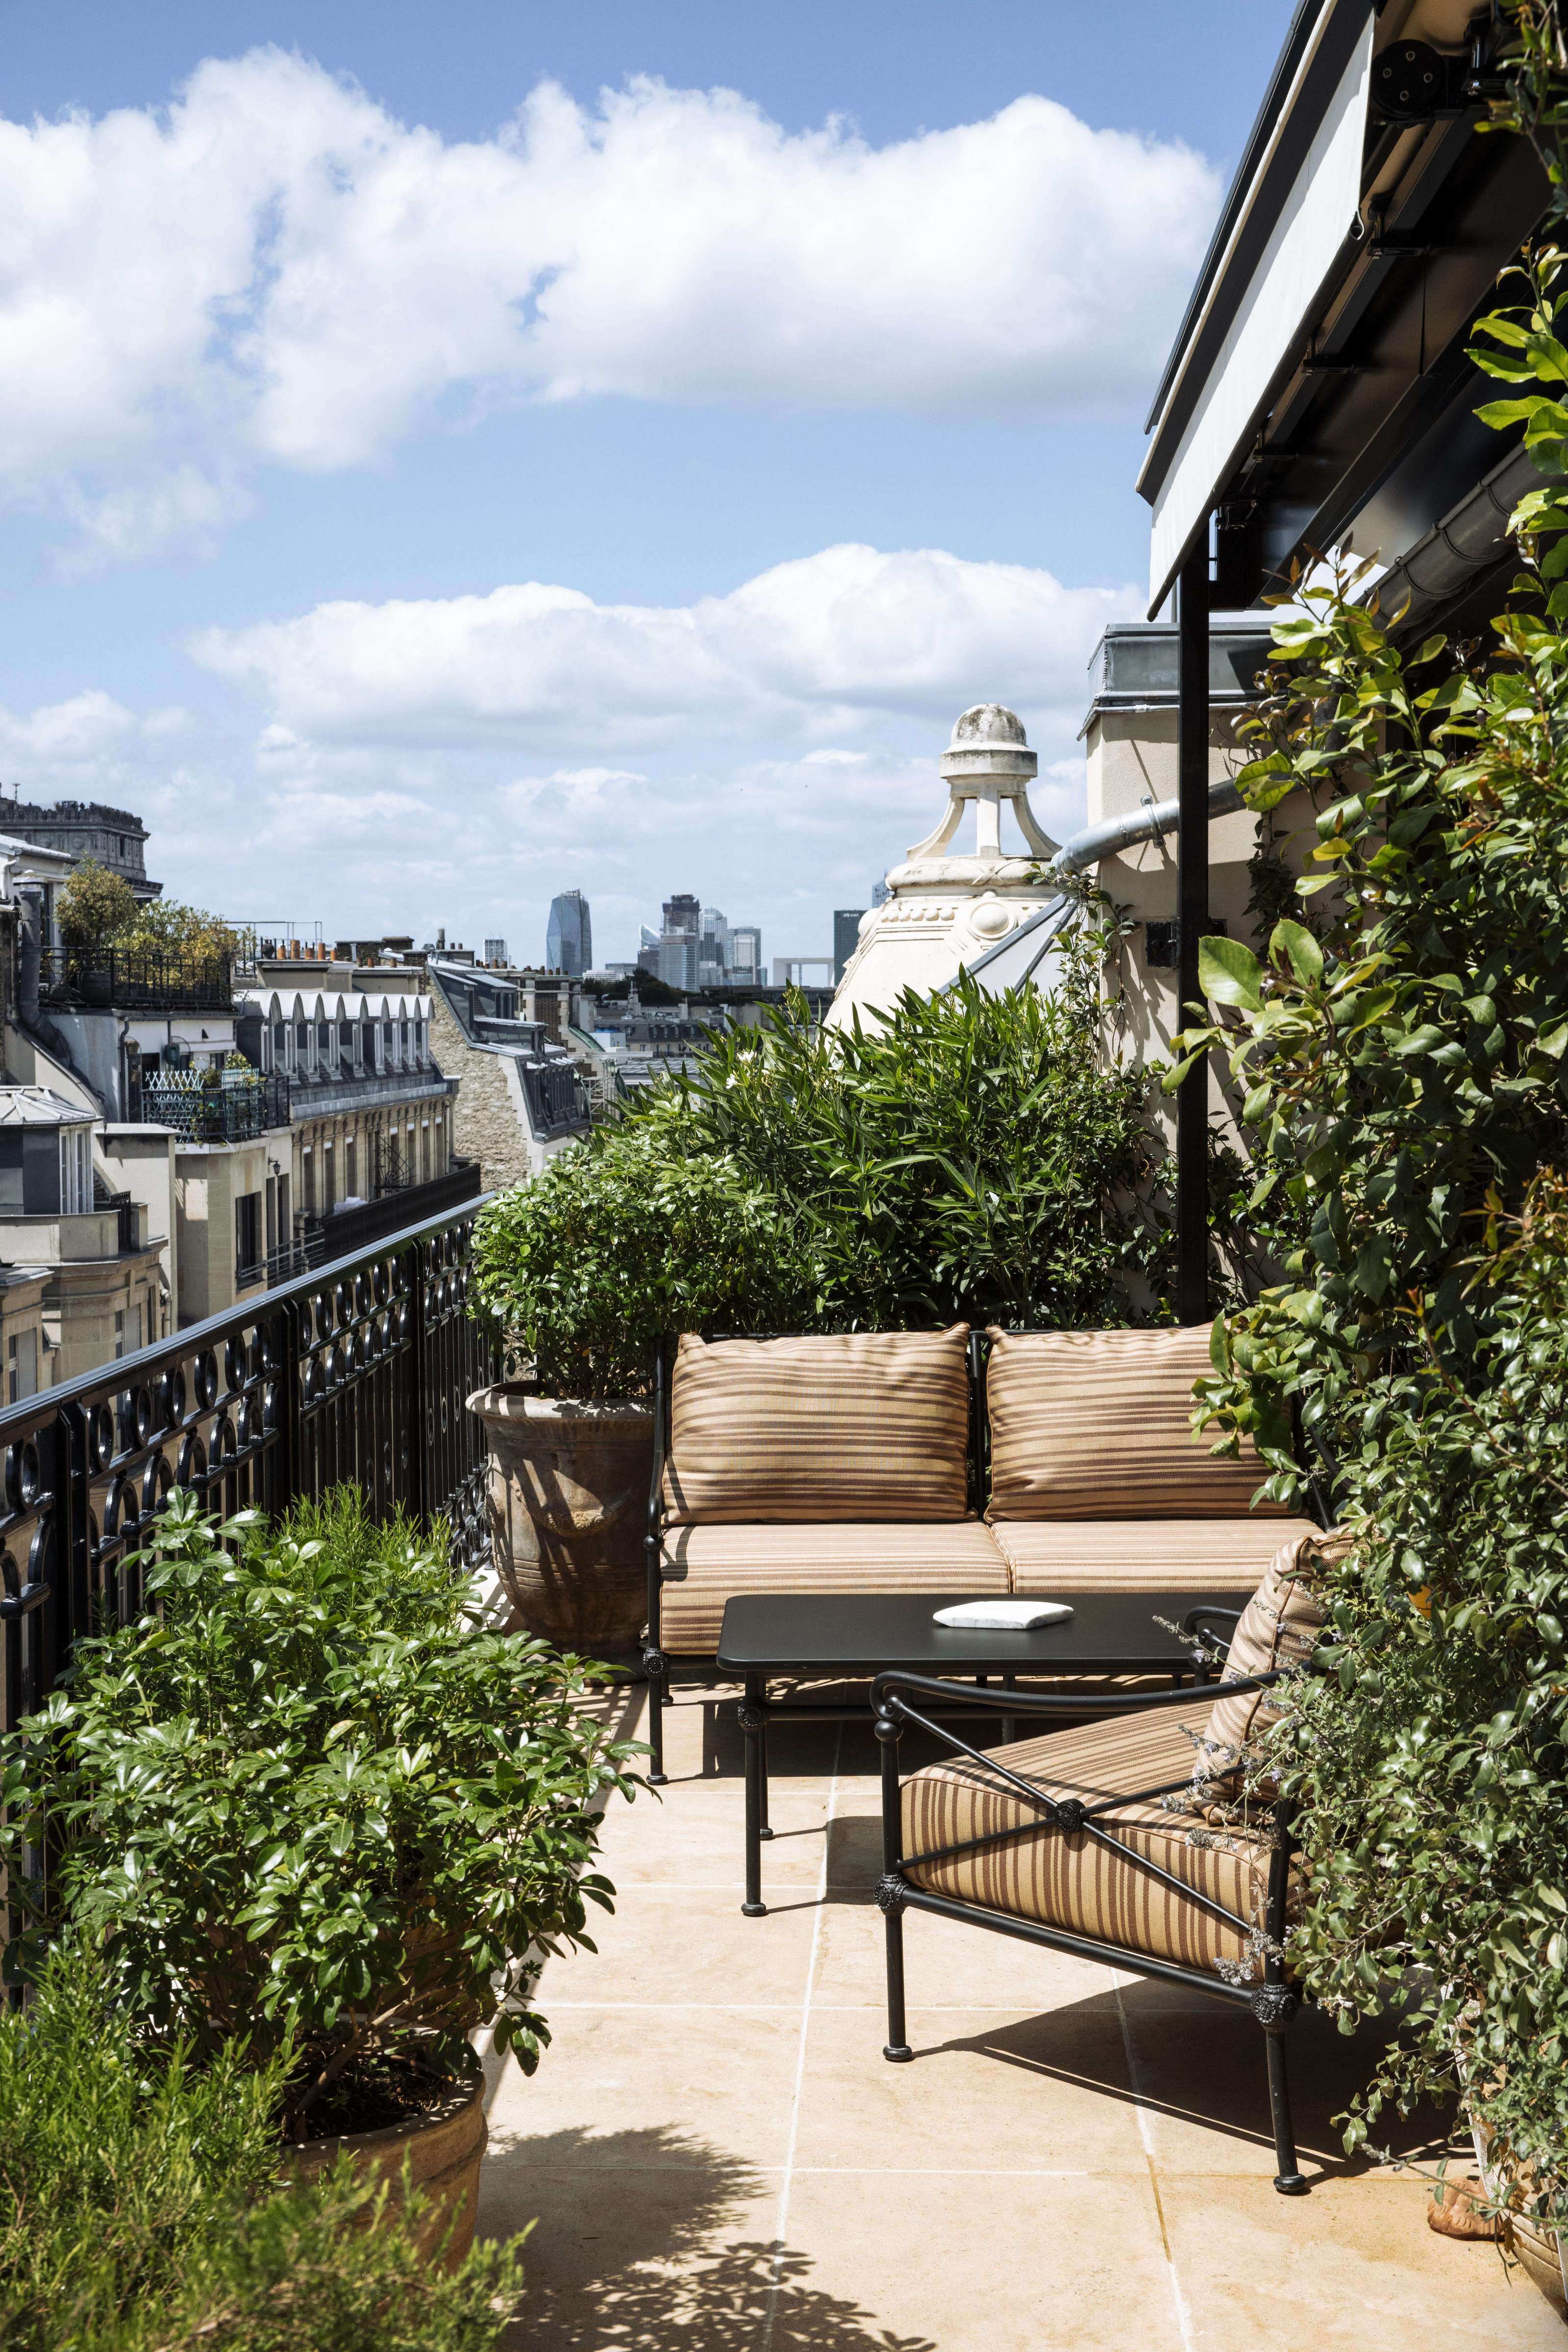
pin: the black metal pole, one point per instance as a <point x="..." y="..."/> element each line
<point x="1193" y="917"/>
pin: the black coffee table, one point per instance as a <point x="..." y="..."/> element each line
<point x="856" y="1635"/>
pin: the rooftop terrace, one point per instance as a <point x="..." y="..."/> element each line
<point x="719" y="2158"/>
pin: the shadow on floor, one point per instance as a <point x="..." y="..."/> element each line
<point x="1197" y="2062"/>
<point x="631" y="2252"/>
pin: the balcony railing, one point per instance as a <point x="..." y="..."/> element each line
<point x="104" y="979"/>
<point x="357" y="1374"/>
<point x="237" y="1110"/>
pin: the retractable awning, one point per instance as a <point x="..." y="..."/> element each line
<point x="1279" y="247"/>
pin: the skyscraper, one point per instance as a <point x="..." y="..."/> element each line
<point x="683" y="913"/>
<point x="746" y="953"/>
<point x="569" y="941"/>
<point x="845" y="938"/>
<point x="495" y="951"/>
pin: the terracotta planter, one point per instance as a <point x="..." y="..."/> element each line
<point x="444" y="2150"/>
<point x="568" y="1511"/>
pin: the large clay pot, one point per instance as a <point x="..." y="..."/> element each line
<point x="444" y="2150"/>
<point x="568" y="1511"/>
<point x="1543" y="2251"/>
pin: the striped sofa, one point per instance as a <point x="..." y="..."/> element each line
<point x="935" y="1462"/>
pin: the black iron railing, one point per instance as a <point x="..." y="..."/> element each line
<point x="98" y="979"/>
<point x="236" y="1111"/>
<point x="357" y="1374"/>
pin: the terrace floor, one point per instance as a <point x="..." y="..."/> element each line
<point x="719" y="2159"/>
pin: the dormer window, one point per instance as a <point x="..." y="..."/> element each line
<point x="76" y="1171"/>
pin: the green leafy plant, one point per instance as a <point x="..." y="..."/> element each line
<point x="1404" y="1056"/>
<point x="978" y="1157"/>
<point x="95" y="904"/>
<point x="583" y="1271"/>
<point x="143" y="2207"/>
<point x="303" y="1800"/>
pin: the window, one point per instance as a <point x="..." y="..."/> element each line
<point x="329" y="1181"/>
<point x="76" y="1171"/>
<point x="21" y="1366"/>
<point x="119" y="1331"/>
<point x="351" y="1168"/>
<point x="247" y="1236"/>
<point x="308" y="1179"/>
<point x="279" y="1044"/>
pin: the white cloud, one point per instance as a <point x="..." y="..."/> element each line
<point x="274" y="269"/>
<point x="826" y="646"/>
<point x="774" y="750"/>
<point x="91" y="730"/>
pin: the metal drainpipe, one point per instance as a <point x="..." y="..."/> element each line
<point x="1193" y="915"/>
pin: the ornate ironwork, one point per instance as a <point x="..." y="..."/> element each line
<point x="892" y="1891"/>
<point x="355" y="1374"/>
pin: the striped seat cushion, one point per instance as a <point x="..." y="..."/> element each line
<point x="705" y="1567"/>
<point x="1096" y="1425"/>
<point x="1142" y="1555"/>
<point x="873" y="1426"/>
<point x="1074" y="1882"/>
<point x="1280" y="1627"/>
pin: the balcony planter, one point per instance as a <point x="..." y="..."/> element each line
<point x="98" y="987"/>
<point x="567" y="1497"/>
<point x="1541" y="2250"/>
<point x="443" y="2150"/>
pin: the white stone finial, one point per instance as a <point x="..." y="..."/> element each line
<point x="988" y="761"/>
<point x="945" y="913"/>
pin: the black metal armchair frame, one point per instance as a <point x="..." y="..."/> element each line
<point x="1273" y="2002"/>
<point x="664" y="1668"/>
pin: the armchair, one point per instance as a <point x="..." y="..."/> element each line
<point x="1066" y="1840"/>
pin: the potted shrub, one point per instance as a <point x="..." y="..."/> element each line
<point x="304" y="1801"/>
<point x="581" y="1273"/>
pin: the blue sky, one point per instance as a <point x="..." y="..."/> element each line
<point x="415" y="509"/>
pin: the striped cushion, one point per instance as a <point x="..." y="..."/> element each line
<point x="1074" y="1882"/>
<point x="1142" y="1555"/>
<point x="1096" y="1425"/>
<point x="1280" y="1627"/>
<point x="874" y="1426"/>
<point x="712" y="1565"/>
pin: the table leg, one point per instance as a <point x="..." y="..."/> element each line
<point x="753" y="1720"/>
<point x="763" y="1829"/>
<point x="1009" y="1723"/>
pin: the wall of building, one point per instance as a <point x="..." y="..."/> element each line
<point x="209" y="1178"/>
<point x="27" y="1362"/>
<point x="141" y="1161"/>
<point x="485" y="1122"/>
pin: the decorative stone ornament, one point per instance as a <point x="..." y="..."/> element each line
<point x="947" y="908"/>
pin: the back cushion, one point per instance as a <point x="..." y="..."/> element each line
<point x="874" y="1426"/>
<point x="1096" y="1425"/>
<point x="1280" y="1627"/>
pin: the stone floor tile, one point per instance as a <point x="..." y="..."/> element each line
<point x="959" y="2263"/>
<point x="691" y="1946"/>
<point x="985" y="2091"/>
<point x="1351" y="2268"/>
<point x="694" y="1834"/>
<point x="726" y="2077"/>
<point x="948" y="1965"/>
<point x="662" y="2241"/>
<point x="1202" y="2077"/>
